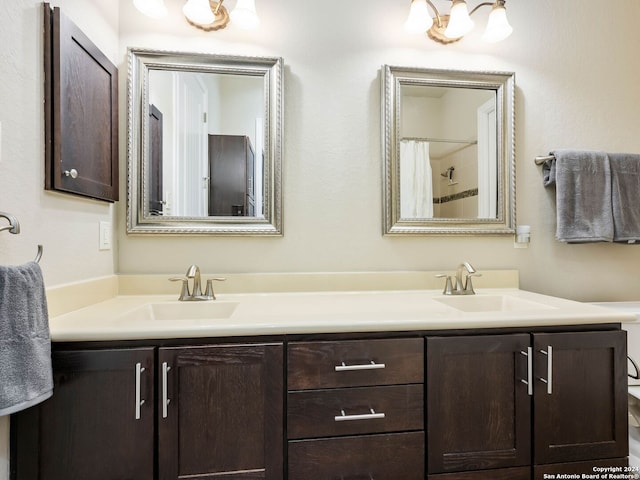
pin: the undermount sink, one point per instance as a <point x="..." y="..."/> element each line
<point x="174" y="311"/>
<point x="491" y="303"/>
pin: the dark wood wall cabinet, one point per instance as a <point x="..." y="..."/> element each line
<point x="507" y="404"/>
<point x="81" y="112"/>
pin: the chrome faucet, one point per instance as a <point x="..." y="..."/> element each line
<point x="462" y="287"/>
<point x="195" y="294"/>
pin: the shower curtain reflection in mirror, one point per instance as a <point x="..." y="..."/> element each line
<point x="415" y="180"/>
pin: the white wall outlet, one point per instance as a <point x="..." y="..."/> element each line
<point x="105" y="236"/>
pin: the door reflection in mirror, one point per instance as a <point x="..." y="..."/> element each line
<point x="445" y="130"/>
<point x="206" y="135"/>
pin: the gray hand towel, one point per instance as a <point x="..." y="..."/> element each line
<point x="25" y="347"/>
<point x="583" y="196"/>
<point x="625" y="194"/>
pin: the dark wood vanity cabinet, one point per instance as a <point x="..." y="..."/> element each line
<point x="506" y="404"/>
<point x="355" y="409"/>
<point x="511" y="401"/>
<point x="207" y="411"/>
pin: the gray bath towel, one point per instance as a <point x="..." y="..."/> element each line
<point x="25" y="347"/>
<point x="625" y="193"/>
<point x="583" y="196"/>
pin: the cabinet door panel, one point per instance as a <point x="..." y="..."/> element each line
<point x="88" y="428"/>
<point x="585" y="415"/>
<point x="224" y="412"/>
<point x="81" y="112"/>
<point x="478" y="408"/>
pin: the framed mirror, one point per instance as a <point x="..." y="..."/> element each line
<point x="204" y="144"/>
<point x="448" y="147"/>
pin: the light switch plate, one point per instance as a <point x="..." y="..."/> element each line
<point x="105" y="236"/>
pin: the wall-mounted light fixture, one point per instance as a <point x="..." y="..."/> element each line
<point x="207" y="15"/>
<point x="451" y="28"/>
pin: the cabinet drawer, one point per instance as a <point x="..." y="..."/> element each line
<point x="349" y="411"/>
<point x="354" y="363"/>
<point x="516" y="473"/>
<point x="382" y="457"/>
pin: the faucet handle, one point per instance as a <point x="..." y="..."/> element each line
<point x="468" y="287"/>
<point x="448" y="285"/>
<point x="184" y="292"/>
<point x="209" y="293"/>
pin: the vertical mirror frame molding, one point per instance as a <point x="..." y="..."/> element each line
<point x="140" y="61"/>
<point x="503" y="83"/>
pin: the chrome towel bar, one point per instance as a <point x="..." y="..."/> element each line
<point x="545" y="159"/>
<point x="14" y="225"/>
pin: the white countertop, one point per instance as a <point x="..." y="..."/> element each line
<point x="322" y="312"/>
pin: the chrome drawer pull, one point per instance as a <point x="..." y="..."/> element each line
<point x="549" y="380"/>
<point x="343" y="417"/>
<point x="367" y="366"/>
<point x="139" y="401"/>
<point x="528" y="382"/>
<point x="165" y="392"/>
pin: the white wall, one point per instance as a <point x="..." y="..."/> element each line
<point x="576" y="77"/>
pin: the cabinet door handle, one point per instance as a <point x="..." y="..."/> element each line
<point x="165" y="393"/>
<point x="73" y="173"/>
<point x="528" y="382"/>
<point x="549" y="380"/>
<point x="139" y="401"/>
<point x="343" y="417"/>
<point x="366" y="366"/>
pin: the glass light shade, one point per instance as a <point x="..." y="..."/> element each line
<point x="151" y="8"/>
<point x="498" y="27"/>
<point x="244" y="15"/>
<point x="460" y="22"/>
<point x="419" y="19"/>
<point x="198" y="11"/>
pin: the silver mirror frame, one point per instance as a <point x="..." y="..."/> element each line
<point x="140" y="61"/>
<point x="503" y="83"/>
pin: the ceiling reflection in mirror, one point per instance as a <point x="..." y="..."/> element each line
<point x="448" y="149"/>
<point x="207" y="157"/>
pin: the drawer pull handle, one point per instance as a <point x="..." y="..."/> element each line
<point x="366" y="366"/>
<point x="139" y="401"/>
<point x="343" y="417"/>
<point x="528" y="381"/>
<point x="165" y="390"/>
<point x="549" y="380"/>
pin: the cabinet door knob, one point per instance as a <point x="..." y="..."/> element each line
<point x="73" y="173"/>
